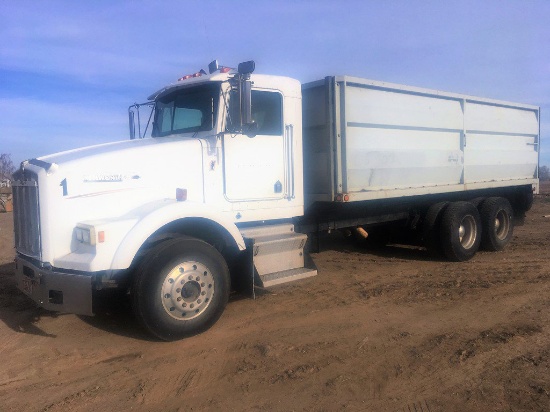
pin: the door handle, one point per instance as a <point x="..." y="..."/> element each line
<point x="289" y="160"/>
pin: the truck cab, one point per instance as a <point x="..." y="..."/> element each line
<point x="250" y="170"/>
<point x="222" y="159"/>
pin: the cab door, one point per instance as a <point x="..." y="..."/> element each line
<point x="256" y="168"/>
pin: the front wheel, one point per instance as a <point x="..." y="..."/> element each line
<point x="181" y="288"/>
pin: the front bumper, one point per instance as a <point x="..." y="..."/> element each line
<point x="62" y="292"/>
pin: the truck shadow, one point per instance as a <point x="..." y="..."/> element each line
<point x="113" y="311"/>
<point x="404" y="252"/>
<point x="337" y="242"/>
<point x="21" y="314"/>
<point x="113" y="314"/>
<point x="17" y="311"/>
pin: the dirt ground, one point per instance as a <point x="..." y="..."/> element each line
<point x="390" y="330"/>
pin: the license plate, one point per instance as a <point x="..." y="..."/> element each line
<point x="27" y="285"/>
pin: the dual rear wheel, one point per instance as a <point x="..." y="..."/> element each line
<point x="497" y="222"/>
<point x="458" y="229"/>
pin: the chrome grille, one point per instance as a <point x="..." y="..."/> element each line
<point x="26" y="216"/>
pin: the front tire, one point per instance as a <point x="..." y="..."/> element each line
<point x="181" y="288"/>
<point x="460" y="231"/>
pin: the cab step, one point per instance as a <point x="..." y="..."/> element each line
<point x="278" y="254"/>
<point x="276" y="278"/>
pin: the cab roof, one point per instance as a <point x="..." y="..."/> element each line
<point x="289" y="87"/>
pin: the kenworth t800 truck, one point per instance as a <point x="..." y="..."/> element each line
<point x="238" y="169"/>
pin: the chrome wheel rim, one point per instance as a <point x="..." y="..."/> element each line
<point x="187" y="290"/>
<point x="467" y="232"/>
<point x="502" y="224"/>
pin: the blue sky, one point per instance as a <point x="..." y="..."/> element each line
<point x="69" y="70"/>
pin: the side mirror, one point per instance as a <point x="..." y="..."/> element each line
<point x="213" y="66"/>
<point x="246" y="102"/>
<point x="240" y="110"/>
<point x="241" y="101"/>
<point x="251" y="129"/>
<point x="134" y="120"/>
<point x="246" y="67"/>
<point x="132" y="124"/>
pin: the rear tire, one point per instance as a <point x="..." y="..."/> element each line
<point x="522" y="201"/>
<point x="181" y="288"/>
<point x="477" y="201"/>
<point x="460" y="231"/>
<point x="497" y="222"/>
<point x="431" y="229"/>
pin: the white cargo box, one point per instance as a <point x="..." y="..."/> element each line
<point x="375" y="140"/>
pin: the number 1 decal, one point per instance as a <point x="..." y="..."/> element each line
<point x="63" y="184"/>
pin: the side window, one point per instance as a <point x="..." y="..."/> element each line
<point x="267" y="108"/>
<point x="267" y="112"/>
<point x="165" y="116"/>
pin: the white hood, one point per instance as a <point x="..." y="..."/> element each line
<point x="158" y="165"/>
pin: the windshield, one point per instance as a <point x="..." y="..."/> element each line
<point x="187" y="110"/>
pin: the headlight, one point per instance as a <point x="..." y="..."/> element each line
<point x="85" y="234"/>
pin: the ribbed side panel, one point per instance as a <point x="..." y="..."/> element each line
<point x="26" y="218"/>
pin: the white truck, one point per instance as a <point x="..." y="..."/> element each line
<point x="240" y="168"/>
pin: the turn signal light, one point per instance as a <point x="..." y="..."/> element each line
<point x="342" y="197"/>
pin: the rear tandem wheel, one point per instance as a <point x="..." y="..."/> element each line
<point x="460" y="231"/>
<point x="431" y="228"/>
<point x="498" y="223"/>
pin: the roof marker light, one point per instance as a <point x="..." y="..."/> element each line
<point x="189" y="76"/>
